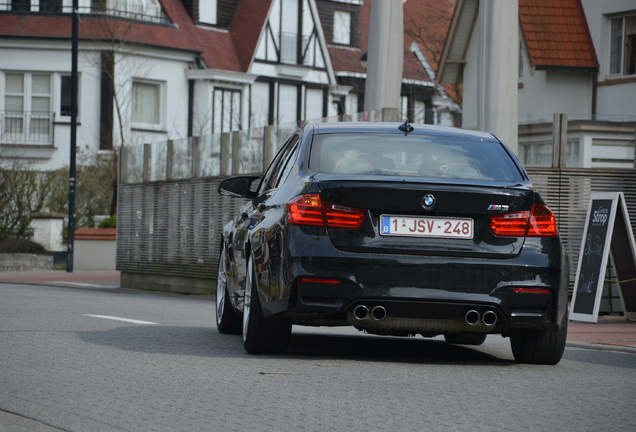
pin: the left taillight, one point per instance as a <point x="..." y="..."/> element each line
<point x="310" y="209"/>
<point x="538" y="222"/>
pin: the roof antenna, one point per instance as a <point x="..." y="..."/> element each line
<point x="406" y="127"/>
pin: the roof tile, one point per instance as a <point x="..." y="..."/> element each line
<point x="550" y="28"/>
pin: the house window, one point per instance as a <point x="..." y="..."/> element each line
<point x="21" y="5"/>
<point x="27" y="107"/>
<point x="537" y="154"/>
<point x="226" y="110"/>
<point x="146" y="104"/>
<point x="623" y="45"/>
<point x="208" y="12"/>
<point x="342" y="27"/>
<point x="50" y="5"/>
<point x="98" y="6"/>
<point x="65" y="96"/>
<point x="129" y="8"/>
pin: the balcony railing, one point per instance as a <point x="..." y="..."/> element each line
<point x="26" y="128"/>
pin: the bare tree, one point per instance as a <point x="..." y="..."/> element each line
<point x="118" y="60"/>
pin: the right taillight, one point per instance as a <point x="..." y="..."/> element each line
<point x="310" y="209"/>
<point x="538" y="222"/>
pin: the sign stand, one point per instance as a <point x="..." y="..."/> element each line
<point x="607" y="231"/>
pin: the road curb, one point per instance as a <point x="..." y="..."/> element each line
<point x="601" y="347"/>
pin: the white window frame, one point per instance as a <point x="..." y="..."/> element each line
<point x="141" y="7"/>
<point x="27" y="116"/>
<point x="138" y="122"/>
<point x="227" y="109"/>
<point x="620" y="71"/>
<point x="342" y="27"/>
<point x="208" y="12"/>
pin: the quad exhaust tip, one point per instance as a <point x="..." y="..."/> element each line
<point x="472" y="317"/>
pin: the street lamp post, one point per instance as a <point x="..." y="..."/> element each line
<point x="385" y="56"/>
<point x="71" y="171"/>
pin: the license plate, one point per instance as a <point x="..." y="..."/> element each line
<point x="412" y="226"/>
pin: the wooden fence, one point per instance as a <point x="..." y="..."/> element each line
<point x="173" y="227"/>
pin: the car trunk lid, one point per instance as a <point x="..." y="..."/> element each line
<point x="453" y="219"/>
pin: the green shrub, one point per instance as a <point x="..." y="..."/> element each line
<point x="18" y="245"/>
<point x="109" y="222"/>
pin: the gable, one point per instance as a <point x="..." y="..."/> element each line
<point x="556" y="35"/>
<point x="292" y="35"/>
<point x="246" y="27"/>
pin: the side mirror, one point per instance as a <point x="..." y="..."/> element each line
<point x="238" y="187"/>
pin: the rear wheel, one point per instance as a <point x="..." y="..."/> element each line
<point x="227" y="320"/>
<point x="539" y="346"/>
<point x="466" y="338"/>
<point x="260" y="335"/>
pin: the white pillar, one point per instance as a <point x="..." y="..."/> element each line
<point x="498" y="69"/>
<point x="385" y="56"/>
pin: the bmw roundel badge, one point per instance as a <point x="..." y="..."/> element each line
<point x="428" y="201"/>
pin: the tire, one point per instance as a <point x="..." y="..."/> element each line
<point x="466" y="338"/>
<point x="539" y="346"/>
<point x="227" y="320"/>
<point x="260" y="335"/>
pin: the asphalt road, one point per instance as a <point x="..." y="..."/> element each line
<point x="86" y="360"/>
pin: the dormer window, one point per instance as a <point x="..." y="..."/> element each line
<point x="208" y="12"/>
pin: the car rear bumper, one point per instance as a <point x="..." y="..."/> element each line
<point x="422" y="294"/>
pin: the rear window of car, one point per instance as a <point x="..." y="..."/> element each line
<point x="412" y="156"/>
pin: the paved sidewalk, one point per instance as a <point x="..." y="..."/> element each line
<point x="610" y="332"/>
<point x="81" y="278"/>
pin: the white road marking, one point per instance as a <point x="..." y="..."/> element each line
<point x="120" y="319"/>
<point x="81" y="284"/>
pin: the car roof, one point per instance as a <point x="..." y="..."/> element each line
<point x="418" y="129"/>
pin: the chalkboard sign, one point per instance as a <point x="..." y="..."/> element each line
<point x="607" y="230"/>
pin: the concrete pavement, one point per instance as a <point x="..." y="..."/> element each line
<point x="610" y="332"/>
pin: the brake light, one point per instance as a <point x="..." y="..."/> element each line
<point x="538" y="222"/>
<point x="319" y="280"/>
<point x="532" y="290"/>
<point x="306" y="210"/>
<point x="310" y="209"/>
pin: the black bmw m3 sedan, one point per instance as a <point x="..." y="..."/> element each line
<point x="394" y="229"/>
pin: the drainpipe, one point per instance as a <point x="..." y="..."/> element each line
<point x="594" y="90"/>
